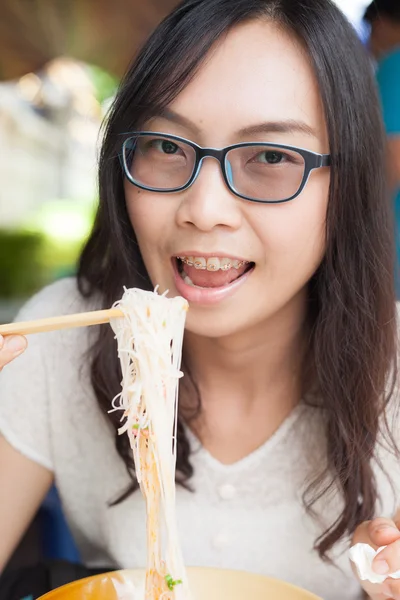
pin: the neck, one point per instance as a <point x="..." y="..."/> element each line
<point x="259" y="366"/>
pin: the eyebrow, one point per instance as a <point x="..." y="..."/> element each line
<point x="287" y="126"/>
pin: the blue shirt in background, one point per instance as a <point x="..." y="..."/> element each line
<point x="388" y="78"/>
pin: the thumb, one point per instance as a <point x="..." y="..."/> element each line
<point x="378" y="532"/>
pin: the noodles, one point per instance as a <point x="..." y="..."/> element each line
<point x="150" y="349"/>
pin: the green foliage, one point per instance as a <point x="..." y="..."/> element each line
<point x="58" y="259"/>
<point x="105" y="84"/>
<point x="21" y="272"/>
<point x="30" y="260"/>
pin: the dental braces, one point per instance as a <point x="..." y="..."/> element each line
<point x="199" y="265"/>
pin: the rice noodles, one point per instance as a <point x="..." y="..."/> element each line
<point x="150" y="349"/>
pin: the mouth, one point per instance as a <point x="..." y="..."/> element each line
<point x="211" y="272"/>
<point x="208" y="280"/>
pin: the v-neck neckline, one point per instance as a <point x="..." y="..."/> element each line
<point x="266" y="447"/>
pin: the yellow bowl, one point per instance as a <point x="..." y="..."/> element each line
<point x="206" y="584"/>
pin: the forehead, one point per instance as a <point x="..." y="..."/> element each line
<point x="256" y="73"/>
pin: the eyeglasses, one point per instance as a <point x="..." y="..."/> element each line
<point x="254" y="171"/>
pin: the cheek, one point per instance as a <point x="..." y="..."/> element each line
<point x="148" y="214"/>
<point x="293" y="234"/>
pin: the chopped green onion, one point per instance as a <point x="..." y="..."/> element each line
<point x="171" y="583"/>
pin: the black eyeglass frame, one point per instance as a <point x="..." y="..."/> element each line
<point x="312" y="160"/>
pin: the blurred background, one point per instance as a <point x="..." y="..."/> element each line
<point x="60" y="64"/>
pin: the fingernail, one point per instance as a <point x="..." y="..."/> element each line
<point x="15" y="344"/>
<point x="380" y="567"/>
<point x="386" y="528"/>
<point x="1" y="341"/>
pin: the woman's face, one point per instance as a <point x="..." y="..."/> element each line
<point x="256" y="86"/>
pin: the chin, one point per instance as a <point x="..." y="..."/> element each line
<point x="217" y="325"/>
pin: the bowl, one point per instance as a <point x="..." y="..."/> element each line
<point x="205" y="583"/>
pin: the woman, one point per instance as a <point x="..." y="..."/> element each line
<point x="289" y="349"/>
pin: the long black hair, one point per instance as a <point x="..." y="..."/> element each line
<point x="352" y="346"/>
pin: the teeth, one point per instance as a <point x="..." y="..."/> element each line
<point x="187" y="280"/>
<point x="225" y="264"/>
<point x="199" y="262"/>
<point x="213" y="263"/>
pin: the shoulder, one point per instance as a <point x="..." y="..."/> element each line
<point x="60" y="298"/>
<point x="390" y="62"/>
<point x="388" y="79"/>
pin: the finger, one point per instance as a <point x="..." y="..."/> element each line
<point x="388" y="560"/>
<point x="378" y="591"/>
<point x="391" y="589"/>
<point x="376" y="533"/>
<point x="383" y="532"/>
<point x="10" y="347"/>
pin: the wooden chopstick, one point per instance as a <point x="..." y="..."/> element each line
<point x="95" y="317"/>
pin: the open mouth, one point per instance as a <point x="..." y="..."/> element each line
<point x="212" y="272"/>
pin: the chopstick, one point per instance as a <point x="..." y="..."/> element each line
<point x="96" y="317"/>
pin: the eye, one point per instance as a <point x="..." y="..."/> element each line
<point x="270" y="157"/>
<point x="165" y="146"/>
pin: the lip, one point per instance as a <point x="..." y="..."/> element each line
<point x="207" y="296"/>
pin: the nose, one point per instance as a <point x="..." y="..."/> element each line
<point x="208" y="203"/>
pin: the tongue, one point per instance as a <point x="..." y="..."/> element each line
<point x="204" y="278"/>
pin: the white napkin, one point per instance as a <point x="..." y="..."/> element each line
<point x="362" y="556"/>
